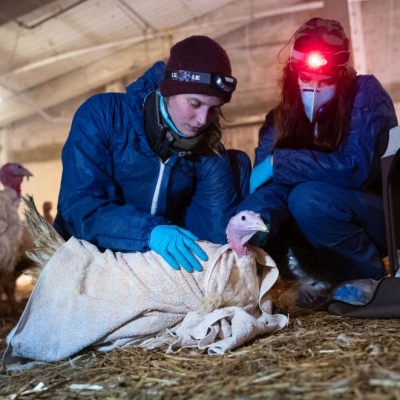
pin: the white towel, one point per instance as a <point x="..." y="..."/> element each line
<point x="85" y="298"/>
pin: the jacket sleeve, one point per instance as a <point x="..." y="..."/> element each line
<point x="266" y="139"/>
<point x="270" y="201"/>
<point x="214" y="199"/>
<point x="89" y="206"/>
<point x="357" y="162"/>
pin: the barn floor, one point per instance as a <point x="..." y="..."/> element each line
<point x="317" y="356"/>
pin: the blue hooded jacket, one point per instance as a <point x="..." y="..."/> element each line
<point x="115" y="189"/>
<point x="355" y="165"/>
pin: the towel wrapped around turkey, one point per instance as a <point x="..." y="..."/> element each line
<point x="88" y="299"/>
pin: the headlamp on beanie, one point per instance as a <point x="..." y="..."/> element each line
<point x="320" y="45"/>
<point x="224" y="83"/>
<point x="198" y="64"/>
<point x="318" y="61"/>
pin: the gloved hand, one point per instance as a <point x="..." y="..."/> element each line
<point x="259" y="239"/>
<point x="261" y="174"/>
<point x="177" y="246"/>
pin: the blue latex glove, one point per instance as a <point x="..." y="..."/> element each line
<point x="261" y="174"/>
<point x="177" y="246"/>
<point x="259" y="239"/>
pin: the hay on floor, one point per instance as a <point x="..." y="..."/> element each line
<point x="317" y="356"/>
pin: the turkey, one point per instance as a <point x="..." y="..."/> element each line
<point x="85" y="298"/>
<point x="243" y="282"/>
<point x="45" y="238"/>
<point x="11" y="229"/>
<point x="244" y="279"/>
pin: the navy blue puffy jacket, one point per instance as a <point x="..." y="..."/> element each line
<point x="355" y="165"/>
<point x="115" y="189"/>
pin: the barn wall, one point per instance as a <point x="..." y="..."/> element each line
<point x="243" y="137"/>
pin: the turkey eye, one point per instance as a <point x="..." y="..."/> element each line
<point x="243" y="218"/>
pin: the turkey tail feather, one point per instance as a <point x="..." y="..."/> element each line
<point x="46" y="239"/>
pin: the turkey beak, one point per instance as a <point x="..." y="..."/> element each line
<point x="261" y="227"/>
<point x="27" y="173"/>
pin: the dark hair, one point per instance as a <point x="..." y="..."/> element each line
<point x="293" y="129"/>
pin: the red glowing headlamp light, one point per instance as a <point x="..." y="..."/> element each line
<point x="318" y="61"/>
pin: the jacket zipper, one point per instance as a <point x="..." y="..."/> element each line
<point x="154" y="203"/>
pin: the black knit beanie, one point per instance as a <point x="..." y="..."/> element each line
<point x="197" y="54"/>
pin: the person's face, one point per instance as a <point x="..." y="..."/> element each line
<point x="317" y="81"/>
<point x="192" y="113"/>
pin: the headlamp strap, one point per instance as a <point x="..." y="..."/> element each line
<point x="298" y="55"/>
<point x="188" y="76"/>
<point x="224" y="83"/>
<point x="338" y="59"/>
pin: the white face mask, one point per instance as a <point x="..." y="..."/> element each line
<point x="314" y="99"/>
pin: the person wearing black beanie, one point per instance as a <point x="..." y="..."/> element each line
<point x="147" y="170"/>
<point x="200" y="54"/>
<point x="317" y="179"/>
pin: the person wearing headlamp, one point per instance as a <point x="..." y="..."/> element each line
<point x="146" y="169"/>
<point x="316" y="178"/>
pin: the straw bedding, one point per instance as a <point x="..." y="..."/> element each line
<point x="316" y="356"/>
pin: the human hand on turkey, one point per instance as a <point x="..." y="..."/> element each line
<point x="178" y="247"/>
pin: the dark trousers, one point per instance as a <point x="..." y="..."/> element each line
<point x="334" y="232"/>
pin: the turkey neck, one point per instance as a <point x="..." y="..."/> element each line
<point x="14" y="184"/>
<point x="236" y="245"/>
